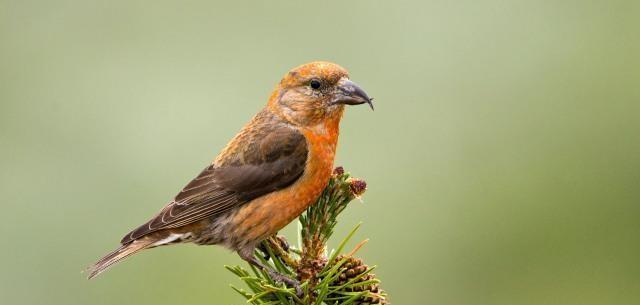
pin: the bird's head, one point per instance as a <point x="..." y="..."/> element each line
<point x="315" y="92"/>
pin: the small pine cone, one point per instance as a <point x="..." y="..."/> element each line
<point x="352" y="268"/>
<point x="338" y="171"/>
<point x="357" y="186"/>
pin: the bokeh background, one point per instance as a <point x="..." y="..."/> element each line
<point x="503" y="157"/>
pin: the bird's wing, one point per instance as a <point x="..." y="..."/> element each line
<point x="271" y="159"/>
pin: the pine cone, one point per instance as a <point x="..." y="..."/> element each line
<point x="357" y="186"/>
<point x="352" y="268"/>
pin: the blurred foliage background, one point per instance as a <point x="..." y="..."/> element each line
<point x="503" y="157"/>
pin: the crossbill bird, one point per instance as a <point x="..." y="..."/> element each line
<point x="267" y="175"/>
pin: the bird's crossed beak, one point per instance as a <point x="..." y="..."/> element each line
<point x="350" y="94"/>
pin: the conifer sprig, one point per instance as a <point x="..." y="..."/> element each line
<point x="332" y="279"/>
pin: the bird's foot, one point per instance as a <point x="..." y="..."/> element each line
<point x="247" y="254"/>
<point x="284" y="244"/>
<point x="279" y="277"/>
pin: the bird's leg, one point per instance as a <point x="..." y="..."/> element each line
<point x="247" y="255"/>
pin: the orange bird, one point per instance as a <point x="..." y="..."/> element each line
<point x="264" y="178"/>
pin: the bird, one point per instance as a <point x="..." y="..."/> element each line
<point x="264" y="178"/>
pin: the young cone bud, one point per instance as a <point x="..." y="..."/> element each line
<point x="357" y="186"/>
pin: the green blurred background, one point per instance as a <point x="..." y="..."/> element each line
<point x="503" y="157"/>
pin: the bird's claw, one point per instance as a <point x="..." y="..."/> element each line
<point x="283" y="243"/>
<point x="279" y="277"/>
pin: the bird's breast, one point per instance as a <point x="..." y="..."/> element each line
<point x="266" y="215"/>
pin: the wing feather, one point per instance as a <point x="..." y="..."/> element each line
<point x="273" y="159"/>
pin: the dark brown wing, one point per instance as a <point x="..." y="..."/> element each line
<point x="271" y="159"/>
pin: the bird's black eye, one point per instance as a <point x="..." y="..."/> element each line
<point x="315" y="84"/>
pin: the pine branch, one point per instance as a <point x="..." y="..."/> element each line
<point x="333" y="279"/>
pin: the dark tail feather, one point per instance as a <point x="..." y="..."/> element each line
<point x="117" y="255"/>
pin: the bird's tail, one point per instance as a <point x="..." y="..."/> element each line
<point x="119" y="254"/>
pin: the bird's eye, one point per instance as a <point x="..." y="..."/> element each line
<point x="315" y="84"/>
